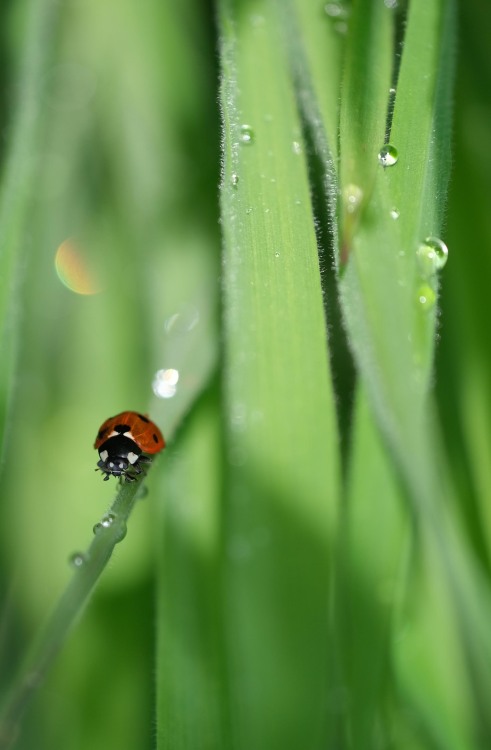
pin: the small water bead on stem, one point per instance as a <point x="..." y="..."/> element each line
<point x="388" y="155"/>
<point x="77" y="560"/>
<point x="432" y="256"/>
<point x="394" y="213"/>
<point x="234" y="179"/>
<point x="105" y="523"/>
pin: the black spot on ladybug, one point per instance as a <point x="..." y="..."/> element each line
<point x="155" y="437"/>
<point x="143" y="418"/>
<point x="122" y="428"/>
<point x="101" y="433"/>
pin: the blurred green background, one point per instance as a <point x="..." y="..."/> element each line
<point x="110" y="252"/>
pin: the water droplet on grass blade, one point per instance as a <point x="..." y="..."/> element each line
<point x="432" y="256"/>
<point x="394" y="213"/>
<point x="246" y="135"/>
<point x="388" y="155"/>
<point x="77" y="560"/>
<point x="234" y="179"/>
<point x="426" y="298"/>
<point x="108" y="520"/>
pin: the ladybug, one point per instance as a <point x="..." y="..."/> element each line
<point x="125" y="442"/>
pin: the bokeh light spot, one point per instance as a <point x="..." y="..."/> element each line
<point x="165" y="383"/>
<point x="74" y="270"/>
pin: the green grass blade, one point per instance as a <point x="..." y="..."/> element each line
<point x="191" y="703"/>
<point x="282" y="444"/>
<point x="17" y="185"/>
<point x="373" y="547"/>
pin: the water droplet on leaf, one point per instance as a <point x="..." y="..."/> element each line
<point x="388" y="155"/>
<point x="394" y="213"/>
<point x="77" y="560"/>
<point x="234" y="179"/>
<point x="432" y="255"/>
<point x="426" y="297"/>
<point x="246" y="134"/>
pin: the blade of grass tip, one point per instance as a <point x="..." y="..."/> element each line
<point x="191" y="694"/>
<point x="16" y="186"/>
<point x="88" y="566"/>
<point x="282" y="477"/>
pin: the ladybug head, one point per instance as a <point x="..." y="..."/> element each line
<point x="119" y="457"/>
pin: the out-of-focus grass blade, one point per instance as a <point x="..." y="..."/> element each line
<point x="429" y="657"/>
<point x="282" y="447"/>
<point x="16" y="186"/>
<point x="191" y="703"/>
<point x="373" y="548"/>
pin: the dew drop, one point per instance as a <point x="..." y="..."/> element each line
<point x="296" y="148"/>
<point x="234" y="179"/>
<point x="122" y="531"/>
<point x="353" y="196"/>
<point x="426" y="298"/>
<point x="388" y="155"/>
<point x="246" y="134"/>
<point x="394" y="213"/>
<point x="77" y="560"/>
<point x="432" y="255"/>
<point x="97" y="528"/>
<point x="108" y="520"/>
<point x="391" y="4"/>
<point x="276" y="255"/>
<point x="248" y="210"/>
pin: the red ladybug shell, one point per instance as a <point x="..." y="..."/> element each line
<point x="141" y="430"/>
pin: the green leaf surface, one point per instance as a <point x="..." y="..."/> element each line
<point x="191" y="692"/>
<point x="283" y="470"/>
